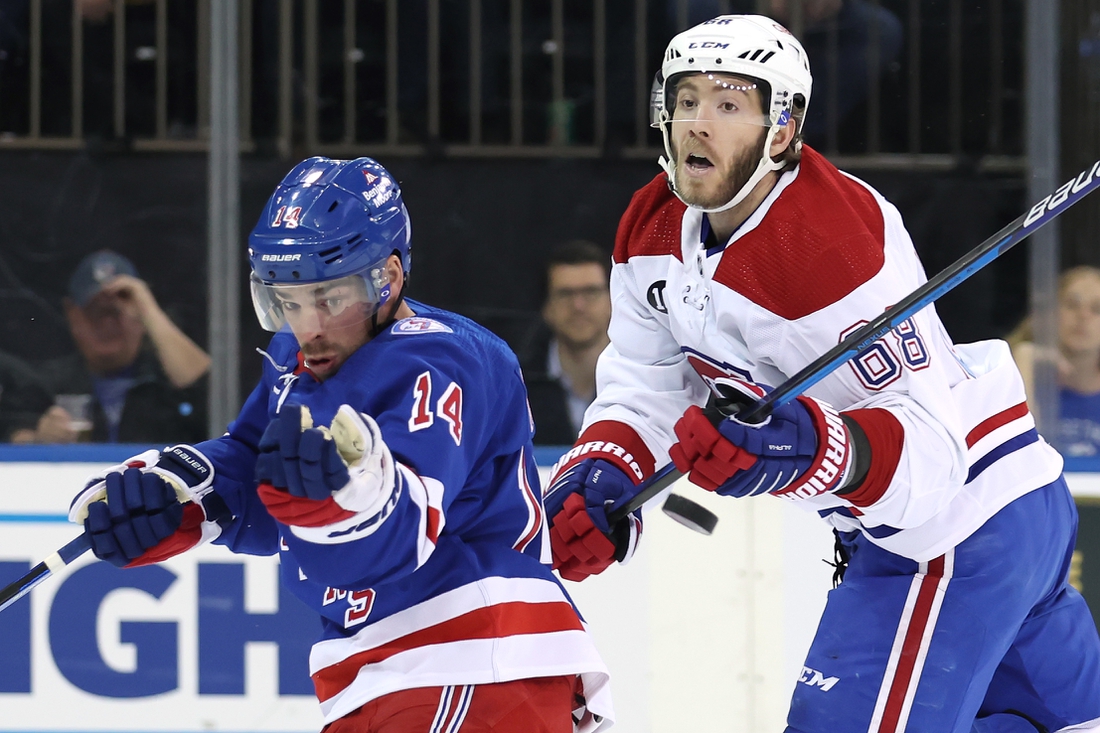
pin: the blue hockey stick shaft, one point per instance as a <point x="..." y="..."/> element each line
<point x="863" y="338"/>
<point x="14" y="591"/>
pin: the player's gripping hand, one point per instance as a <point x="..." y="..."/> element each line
<point x="577" y="504"/>
<point x="315" y="476"/>
<point x="151" y="507"/>
<point x="803" y="449"/>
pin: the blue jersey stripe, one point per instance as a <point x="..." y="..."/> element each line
<point x="1009" y="446"/>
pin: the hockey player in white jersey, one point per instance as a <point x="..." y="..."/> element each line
<point x="386" y="457"/>
<point x="748" y="257"/>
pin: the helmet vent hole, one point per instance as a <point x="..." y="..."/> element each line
<point x="355" y="238"/>
<point x="765" y="57"/>
<point x="743" y="55"/>
<point x="329" y="251"/>
<point x="334" y="205"/>
<point x="295" y="274"/>
<point x="271" y="274"/>
<point x="718" y="62"/>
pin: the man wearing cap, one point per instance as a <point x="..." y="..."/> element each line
<point x="142" y="374"/>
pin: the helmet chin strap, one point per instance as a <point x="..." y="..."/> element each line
<point x="765" y="165"/>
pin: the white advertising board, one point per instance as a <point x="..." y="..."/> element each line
<point x="203" y="642"/>
<point x="699" y="633"/>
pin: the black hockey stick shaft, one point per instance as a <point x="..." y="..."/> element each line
<point x="14" y="591"/>
<point x="863" y="338"/>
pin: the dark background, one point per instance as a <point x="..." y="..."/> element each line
<point x="1087" y="558"/>
<point x="480" y="230"/>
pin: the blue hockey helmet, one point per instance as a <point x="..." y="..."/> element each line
<point x="330" y="224"/>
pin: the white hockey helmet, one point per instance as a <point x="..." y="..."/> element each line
<point x="752" y="46"/>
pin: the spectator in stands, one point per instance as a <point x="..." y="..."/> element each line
<point x="23" y="398"/>
<point x="1077" y="359"/>
<point x="559" y="359"/>
<point x="143" y="377"/>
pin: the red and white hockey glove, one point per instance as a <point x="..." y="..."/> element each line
<point x="320" y="477"/>
<point x="803" y="449"/>
<point x="577" y="504"/>
<point x="150" y="508"/>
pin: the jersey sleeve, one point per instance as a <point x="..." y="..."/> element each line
<point x="644" y="381"/>
<point x="252" y="531"/>
<point x="435" y="408"/>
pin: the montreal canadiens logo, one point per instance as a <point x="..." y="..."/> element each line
<point x="710" y="369"/>
<point x="417" y="324"/>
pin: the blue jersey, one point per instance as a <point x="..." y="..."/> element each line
<point x="1078" y="424"/>
<point x="453" y="587"/>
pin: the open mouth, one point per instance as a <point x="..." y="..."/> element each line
<point x="697" y="163"/>
<point x="318" y="364"/>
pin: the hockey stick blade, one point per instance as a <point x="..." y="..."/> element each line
<point x="863" y="338"/>
<point x="14" y="591"/>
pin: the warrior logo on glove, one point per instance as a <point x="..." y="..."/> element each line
<point x="803" y="449"/>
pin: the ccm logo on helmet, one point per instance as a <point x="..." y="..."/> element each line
<point x="708" y="44"/>
<point x="280" y="258"/>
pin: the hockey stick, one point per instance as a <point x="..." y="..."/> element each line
<point x="863" y="338"/>
<point x="14" y="591"/>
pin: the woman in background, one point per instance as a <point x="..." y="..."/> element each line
<point x="1078" y="361"/>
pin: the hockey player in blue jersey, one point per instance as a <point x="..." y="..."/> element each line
<point x="386" y="456"/>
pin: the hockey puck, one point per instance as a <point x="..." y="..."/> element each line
<point x="691" y="515"/>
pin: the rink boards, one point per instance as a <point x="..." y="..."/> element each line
<point x="699" y="633"/>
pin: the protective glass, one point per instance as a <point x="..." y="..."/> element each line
<point x="715" y="98"/>
<point x="321" y="306"/>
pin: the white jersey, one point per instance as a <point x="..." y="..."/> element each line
<point x="952" y="441"/>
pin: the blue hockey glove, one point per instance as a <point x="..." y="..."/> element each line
<point x="316" y="476"/>
<point x="141" y="511"/>
<point x="152" y="507"/>
<point x="577" y="504"/>
<point x="802" y="450"/>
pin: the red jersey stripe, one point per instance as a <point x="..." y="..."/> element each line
<point x="907" y="673"/>
<point x="504" y="619"/>
<point x="987" y="426"/>
<point x="534" y="506"/>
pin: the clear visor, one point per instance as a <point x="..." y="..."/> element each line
<point x="322" y="306"/>
<point x="709" y="98"/>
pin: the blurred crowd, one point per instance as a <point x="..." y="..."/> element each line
<point x="133" y="376"/>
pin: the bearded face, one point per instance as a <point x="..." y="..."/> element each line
<point x="717" y="137"/>
<point x="707" y="180"/>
